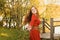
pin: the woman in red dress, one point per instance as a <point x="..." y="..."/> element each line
<point x="33" y="19"/>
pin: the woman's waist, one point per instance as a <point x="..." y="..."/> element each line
<point x="35" y="27"/>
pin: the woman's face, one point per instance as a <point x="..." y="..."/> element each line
<point x="34" y="11"/>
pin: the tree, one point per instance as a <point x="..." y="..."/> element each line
<point x="2" y="2"/>
<point x="15" y="9"/>
<point x="21" y="8"/>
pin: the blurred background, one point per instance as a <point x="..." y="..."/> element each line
<point x="13" y="11"/>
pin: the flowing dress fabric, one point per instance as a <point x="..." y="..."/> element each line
<point x="34" y="34"/>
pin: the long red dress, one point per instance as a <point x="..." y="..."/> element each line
<point x="34" y="34"/>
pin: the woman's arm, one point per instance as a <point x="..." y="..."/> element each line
<point x="33" y="19"/>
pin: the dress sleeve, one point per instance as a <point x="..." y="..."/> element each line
<point x="32" y="20"/>
<point x="38" y="22"/>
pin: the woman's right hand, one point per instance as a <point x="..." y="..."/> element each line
<point x="29" y="28"/>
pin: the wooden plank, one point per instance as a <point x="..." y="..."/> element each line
<point x="48" y="27"/>
<point x="56" y="19"/>
<point x="52" y="29"/>
<point x="56" y="25"/>
<point x="43" y="23"/>
<point x="47" y="35"/>
<point x="47" y="23"/>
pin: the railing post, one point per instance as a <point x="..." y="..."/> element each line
<point x="52" y="29"/>
<point x="43" y="23"/>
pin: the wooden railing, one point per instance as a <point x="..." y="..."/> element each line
<point x="45" y="24"/>
<point x="50" y="26"/>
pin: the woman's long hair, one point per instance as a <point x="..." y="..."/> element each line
<point x="28" y="16"/>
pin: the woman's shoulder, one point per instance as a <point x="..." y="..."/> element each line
<point x="34" y="15"/>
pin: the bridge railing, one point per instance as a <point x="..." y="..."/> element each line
<point x="50" y="26"/>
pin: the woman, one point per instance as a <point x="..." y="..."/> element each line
<point x="33" y="19"/>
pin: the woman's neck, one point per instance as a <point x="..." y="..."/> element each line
<point x="34" y="14"/>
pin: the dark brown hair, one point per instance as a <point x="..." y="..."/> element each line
<point x="29" y="15"/>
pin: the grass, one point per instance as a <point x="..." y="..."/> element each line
<point x="13" y="34"/>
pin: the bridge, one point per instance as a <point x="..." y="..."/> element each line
<point x="54" y="33"/>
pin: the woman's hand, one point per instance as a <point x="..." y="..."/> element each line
<point x="29" y="28"/>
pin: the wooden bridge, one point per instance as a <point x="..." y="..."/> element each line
<point x="54" y="33"/>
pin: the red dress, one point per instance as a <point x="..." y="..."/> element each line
<point x="34" y="34"/>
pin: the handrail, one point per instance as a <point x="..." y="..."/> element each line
<point x="56" y="25"/>
<point x="56" y="20"/>
<point x="45" y="24"/>
<point x="47" y="27"/>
